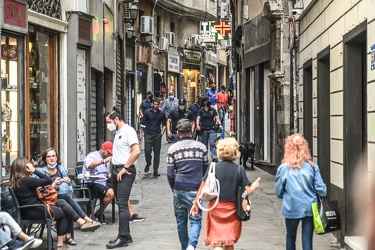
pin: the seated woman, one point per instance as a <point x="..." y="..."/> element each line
<point x="11" y="226"/>
<point x="51" y="166"/>
<point x="24" y="187"/>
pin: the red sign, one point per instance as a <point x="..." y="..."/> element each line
<point x="15" y="13"/>
<point x="222" y="28"/>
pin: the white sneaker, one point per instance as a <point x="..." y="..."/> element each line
<point x="190" y="247"/>
<point x="37" y="242"/>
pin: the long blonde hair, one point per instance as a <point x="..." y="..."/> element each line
<point x="297" y="151"/>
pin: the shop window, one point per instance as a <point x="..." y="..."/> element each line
<point x="9" y="101"/>
<point x="40" y="95"/>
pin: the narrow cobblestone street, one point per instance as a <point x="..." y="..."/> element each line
<point x="152" y="198"/>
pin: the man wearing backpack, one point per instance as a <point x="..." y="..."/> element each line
<point x="185" y="176"/>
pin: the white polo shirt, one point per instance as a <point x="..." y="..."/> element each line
<point x="124" y="139"/>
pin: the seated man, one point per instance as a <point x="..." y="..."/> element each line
<point x="8" y="226"/>
<point x="97" y="163"/>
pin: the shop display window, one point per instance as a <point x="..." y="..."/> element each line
<point x="192" y="85"/>
<point x="40" y="78"/>
<point x="9" y="102"/>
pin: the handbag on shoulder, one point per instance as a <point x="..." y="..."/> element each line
<point x="243" y="210"/>
<point x="211" y="189"/>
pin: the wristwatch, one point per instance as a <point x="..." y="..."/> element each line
<point x="244" y="194"/>
<point x="103" y="161"/>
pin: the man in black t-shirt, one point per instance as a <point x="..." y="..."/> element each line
<point x="145" y="104"/>
<point x="207" y="119"/>
<point x="194" y="108"/>
<point x="177" y="114"/>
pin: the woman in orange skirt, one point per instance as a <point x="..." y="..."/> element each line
<point x="222" y="229"/>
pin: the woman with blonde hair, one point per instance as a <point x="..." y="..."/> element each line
<point x="222" y="229"/>
<point x="298" y="182"/>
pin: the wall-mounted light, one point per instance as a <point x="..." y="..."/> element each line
<point x="133" y="12"/>
<point x="129" y="31"/>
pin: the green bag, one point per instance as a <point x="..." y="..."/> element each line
<point x="326" y="216"/>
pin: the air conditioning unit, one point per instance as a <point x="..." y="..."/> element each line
<point x="146" y="25"/>
<point x="229" y="42"/>
<point x="195" y="39"/>
<point x="163" y="44"/>
<point x="127" y="11"/>
<point x="171" y="38"/>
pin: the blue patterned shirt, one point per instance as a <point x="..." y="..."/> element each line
<point x="187" y="162"/>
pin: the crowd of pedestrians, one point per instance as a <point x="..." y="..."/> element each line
<point x="196" y="145"/>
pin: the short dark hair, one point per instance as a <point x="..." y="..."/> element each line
<point x="203" y="100"/>
<point x="156" y="100"/>
<point x="113" y="114"/>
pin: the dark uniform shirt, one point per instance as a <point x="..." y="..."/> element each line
<point x="194" y="109"/>
<point x="207" y="117"/>
<point x="175" y="115"/>
<point x="153" y="120"/>
<point x="145" y="105"/>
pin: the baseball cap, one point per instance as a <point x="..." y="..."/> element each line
<point x="184" y="125"/>
<point x="108" y="145"/>
<point x="199" y="96"/>
<point x="182" y="101"/>
<point x="149" y="92"/>
<point x="212" y="85"/>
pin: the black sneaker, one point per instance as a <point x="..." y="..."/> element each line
<point x="156" y="174"/>
<point x="137" y="218"/>
<point x="147" y="168"/>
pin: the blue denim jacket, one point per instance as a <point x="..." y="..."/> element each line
<point x="298" y="187"/>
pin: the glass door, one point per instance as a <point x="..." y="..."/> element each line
<point x="41" y="99"/>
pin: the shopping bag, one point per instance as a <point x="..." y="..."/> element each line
<point x="326" y="216"/>
<point x="210" y="190"/>
<point x="243" y="210"/>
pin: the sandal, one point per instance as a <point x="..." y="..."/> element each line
<point x="70" y="241"/>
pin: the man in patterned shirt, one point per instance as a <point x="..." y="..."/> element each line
<point x="187" y="162"/>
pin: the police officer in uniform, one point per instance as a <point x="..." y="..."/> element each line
<point x="177" y="114"/>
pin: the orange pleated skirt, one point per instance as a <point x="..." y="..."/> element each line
<point x="222" y="228"/>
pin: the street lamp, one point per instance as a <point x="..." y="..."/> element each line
<point x="133" y="12"/>
<point x="133" y="16"/>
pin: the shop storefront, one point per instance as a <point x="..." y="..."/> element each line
<point x="222" y="68"/>
<point x="209" y="69"/>
<point x="192" y="76"/>
<point x="13" y="25"/>
<point x="173" y="69"/>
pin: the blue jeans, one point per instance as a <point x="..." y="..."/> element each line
<point x="182" y="202"/>
<point x="208" y="138"/>
<point x="307" y="232"/>
<point x="122" y="191"/>
<point x="222" y="114"/>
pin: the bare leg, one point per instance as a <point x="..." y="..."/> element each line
<point x="60" y="240"/>
<point x="131" y="212"/>
<point x="108" y="197"/>
<point x="23" y="236"/>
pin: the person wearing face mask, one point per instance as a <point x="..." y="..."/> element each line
<point x="212" y="95"/>
<point x="207" y="121"/>
<point x="222" y="106"/>
<point x="194" y="108"/>
<point x="177" y="114"/>
<point x="168" y="105"/>
<point x="155" y="122"/>
<point x="51" y="166"/>
<point x="124" y="156"/>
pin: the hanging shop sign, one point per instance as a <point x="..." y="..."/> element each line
<point x="14" y="16"/>
<point x="9" y="52"/>
<point x="223" y="29"/>
<point x="192" y="57"/>
<point x="291" y="32"/>
<point x="210" y="58"/>
<point x="222" y="57"/>
<point x="173" y="63"/>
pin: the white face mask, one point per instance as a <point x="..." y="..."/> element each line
<point x="111" y="126"/>
<point x="52" y="165"/>
<point x="172" y="97"/>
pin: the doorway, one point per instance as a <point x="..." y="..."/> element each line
<point x="307" y="104"/>
<point x="355" y="121"/>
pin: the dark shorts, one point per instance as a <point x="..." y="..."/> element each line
<point x="98" y="190"/>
